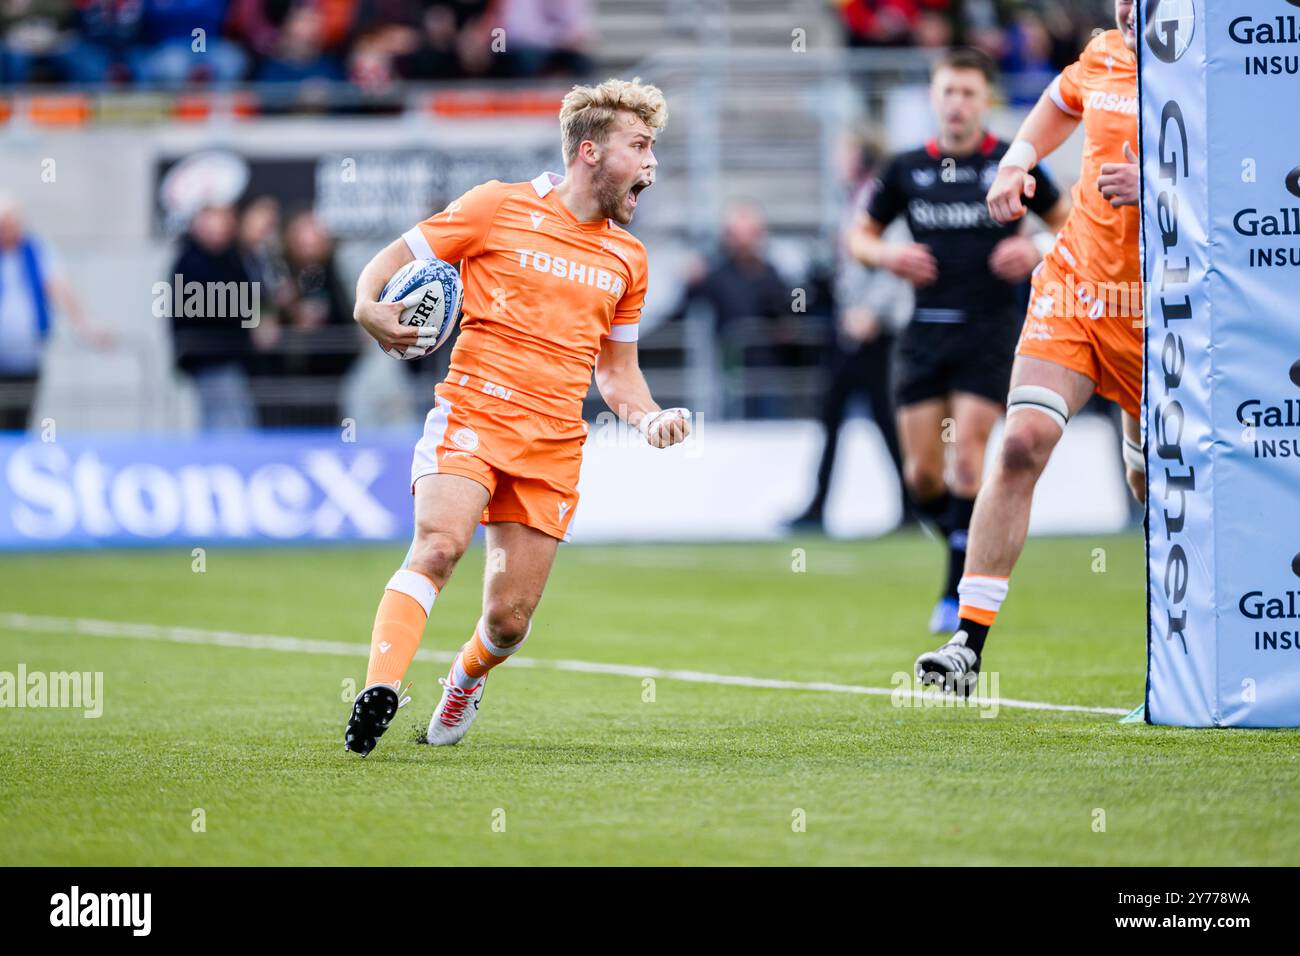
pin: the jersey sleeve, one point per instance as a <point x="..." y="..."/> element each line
<point x="887" y="199"/>
<point x="460" y="230"/>
<point x="627" y="314"/>
<point x="1046" y="195"/>
<point x="1066" y="90"/>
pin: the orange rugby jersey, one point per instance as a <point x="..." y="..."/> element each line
<point x="1100" y="243"/>
<point x="541" y="291"/>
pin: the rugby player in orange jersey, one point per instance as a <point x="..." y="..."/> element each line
<point x="553" y="288"/>
<point x="1083" y="331"/>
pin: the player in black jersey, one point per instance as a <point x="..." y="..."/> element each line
<point x="953" y="361"/>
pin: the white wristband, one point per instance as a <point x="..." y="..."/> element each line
<point x="1133" y="457"/>
<point x="1020" y="154"/>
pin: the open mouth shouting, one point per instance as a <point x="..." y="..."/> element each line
<point x="634" y="193"/>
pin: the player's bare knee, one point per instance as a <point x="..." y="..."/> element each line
<point x="436" y="553"/>
<point x="1027" y="444"/>
<point x="923" y="480"/>
<point x="506" y="622"/>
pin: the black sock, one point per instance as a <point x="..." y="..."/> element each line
<point x="935" y="511"/>
<point x="976" y="634"/>
<point x="958" y="521"/>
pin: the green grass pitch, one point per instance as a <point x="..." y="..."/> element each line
<point x="567" y="767"/>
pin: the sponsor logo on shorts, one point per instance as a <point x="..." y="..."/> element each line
<point x="1036" y="331"/>
<point x="465" y="438"/>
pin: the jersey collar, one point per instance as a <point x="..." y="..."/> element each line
<point x="986" y="147"/>
<point x="545" y="183"/>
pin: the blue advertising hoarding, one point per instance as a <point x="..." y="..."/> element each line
<point x="238" y="488"/>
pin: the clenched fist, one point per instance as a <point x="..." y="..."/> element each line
<point x="1004" y="199"/>
<point x="670" y="426"/>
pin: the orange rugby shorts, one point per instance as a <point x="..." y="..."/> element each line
<point x="528" y="462"/>
<point x="1094" y="331"/>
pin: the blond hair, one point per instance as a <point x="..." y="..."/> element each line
<point x="588" y="112"/>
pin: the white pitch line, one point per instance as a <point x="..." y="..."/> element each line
<point x="90" y="627"/>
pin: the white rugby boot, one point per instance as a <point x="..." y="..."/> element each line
<point x="455" y="712"/>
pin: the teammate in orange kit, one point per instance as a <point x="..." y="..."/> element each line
<point x="1083" y="332"/>
<point x="553" y="288"/>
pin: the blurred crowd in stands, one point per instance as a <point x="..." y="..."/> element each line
<point x="171" y="43"/>
<point x="161" y="43"/>
<point x="1031" y="40"/>
<point x="841" y="332"/>
<point x="302" y="330"/>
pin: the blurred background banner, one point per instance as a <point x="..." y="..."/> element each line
<point x="248" y="488"/>
<point x="740" y="482"/>
<point x="278" y="145"/>
<point x="358" y="194"/>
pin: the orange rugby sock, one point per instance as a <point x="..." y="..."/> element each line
<point x="478" y="656"/>
<point x="399" y="625"/>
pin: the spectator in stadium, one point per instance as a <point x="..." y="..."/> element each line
<point x="317" y="300"/>
<point x="260" y="247"/>
<point x="103" y="33"/>
<point x="418" y="40"/>
<point x="214" y="345"/>
<point x="871" y="305"/>
<point x="1027" y="65"/>
<point x="746" y="296"/>
<point x="319" y="336"/>
<point x="260" y="24"/>
<point x="33" y="292"/>
<point x="34" y="37"/>
<point x="173" y="55"/>
<point x="885" y="22"/>
<point x="300" y="52"/>
<point x="260" y="251"/>
<point x="546" y="37"/>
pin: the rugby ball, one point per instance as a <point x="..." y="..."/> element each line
<point x="431" y="292"/>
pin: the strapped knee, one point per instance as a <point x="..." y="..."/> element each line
<point x="1042" y="399"/>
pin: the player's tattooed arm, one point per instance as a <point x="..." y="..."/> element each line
<point x="623" y="387"/>
<point x="380" y="319"/>
<point x="1044" y="130"/>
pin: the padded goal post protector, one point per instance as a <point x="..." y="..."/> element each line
<point x="1221" y="405"/>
